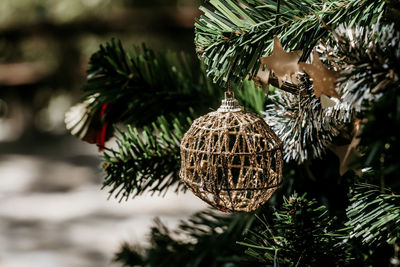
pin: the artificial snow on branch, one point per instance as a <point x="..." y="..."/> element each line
<point x="304" y="126"/>
<point x="369" y="58"/>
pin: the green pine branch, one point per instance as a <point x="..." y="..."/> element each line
<point x="374" y="215"/>
<point x="139" y="85"/>
<point x="146" y="160"/>
<point x="232" y="35"/>
<point x="301" y="234"/>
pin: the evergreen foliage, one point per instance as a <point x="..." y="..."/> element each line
<point x="368" y="59"/>
<point x="146" y="161"/>
<point x="301" y="234"/>
<point x="232" y="35"/>
<point x="140" y="85"/>
<point x="305" y="128"/>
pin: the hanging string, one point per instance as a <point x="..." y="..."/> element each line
<point x="229" y="92"/>
<point x="278" y="7"/>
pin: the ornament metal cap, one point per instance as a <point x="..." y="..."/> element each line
<point x="230" y="104"/>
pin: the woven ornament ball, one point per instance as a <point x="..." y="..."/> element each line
<point x="231" y="158"/>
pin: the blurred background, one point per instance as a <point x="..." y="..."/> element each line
<point x="52" y="211"/>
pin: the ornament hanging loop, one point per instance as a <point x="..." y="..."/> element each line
<point x="278" y="6"/>
<point x="229" y="92"/>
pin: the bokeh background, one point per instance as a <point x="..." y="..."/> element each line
<point x="52" y="211"/>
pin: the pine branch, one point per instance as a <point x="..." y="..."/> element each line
<point x="231" y="38"/>
<point x="206" y="239"/>
<point x="368" y="57"/>
<point x="145" y="162"/>
<point x="140" y="85"/>
<point x="301" y="235"/>
<point x="305" y="128"/>
<point x="374" y="215"/>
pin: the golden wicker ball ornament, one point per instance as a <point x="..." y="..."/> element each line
<point x="231" y="158"/>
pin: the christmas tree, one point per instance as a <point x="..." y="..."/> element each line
<point x="324" y="76"/>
